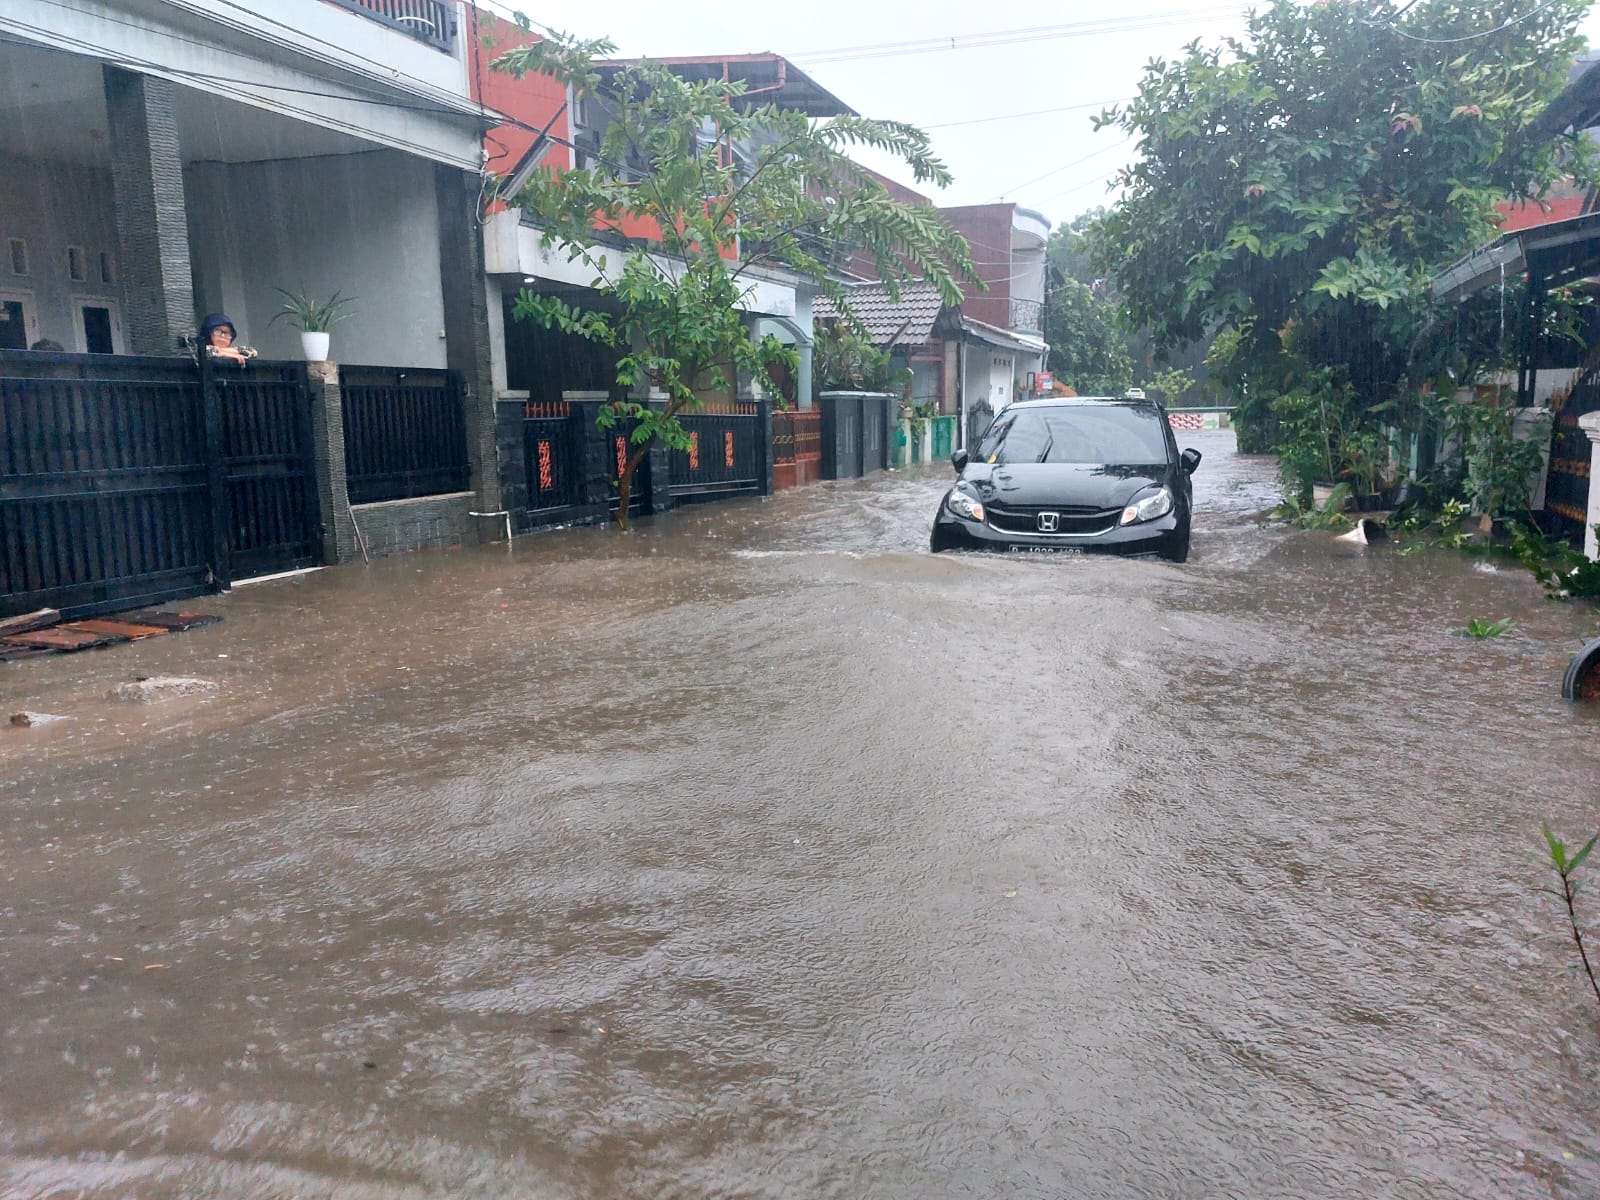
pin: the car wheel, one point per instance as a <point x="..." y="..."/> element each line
<point x="1176" y="548"/>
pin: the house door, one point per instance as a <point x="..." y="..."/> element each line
<point x="19" y="327"/>
<point x="99" y="326"/>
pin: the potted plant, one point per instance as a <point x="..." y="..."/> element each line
<point x="314" y="319"/>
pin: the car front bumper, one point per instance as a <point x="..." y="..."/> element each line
<point x="951" y="532"/>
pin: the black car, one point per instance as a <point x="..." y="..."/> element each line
<point x="1075" y="473"/>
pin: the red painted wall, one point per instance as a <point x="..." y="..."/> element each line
<point x="532" y="100"/>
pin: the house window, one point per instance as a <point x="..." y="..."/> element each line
<point x="19" y="256"/>
<point x="77" y="269"/>
<point x="108" y="272"/>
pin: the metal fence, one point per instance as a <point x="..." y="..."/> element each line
<point x="272" y="518"/>
<point x="405" y="433"/>
<point x="126" y="481"/>
<point x="550" y="445"/>
<point x="1566" y="493"/>
<point x="428" y="21"/>
<point x="855" y="433"/>
<point x="796" y="447"/>
<point x="725" y="453"/>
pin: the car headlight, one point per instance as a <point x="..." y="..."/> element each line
<point x="963" y="505"/>
<point x="1148" y="507"/>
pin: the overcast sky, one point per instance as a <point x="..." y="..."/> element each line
<point x="995" y="61"/>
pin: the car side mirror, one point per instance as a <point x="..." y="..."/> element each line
<point x="1190" y="460"/>
<point x="959" y="461"/>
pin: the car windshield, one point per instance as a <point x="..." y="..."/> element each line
<point x="1101" y="434"/>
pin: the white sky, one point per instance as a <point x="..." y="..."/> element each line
<point x="1072" y="55"/>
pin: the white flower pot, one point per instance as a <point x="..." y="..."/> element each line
<point x="315" y="346"/>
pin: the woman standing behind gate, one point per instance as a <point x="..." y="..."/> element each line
<point x="217" y="337"/>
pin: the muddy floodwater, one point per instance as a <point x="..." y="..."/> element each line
<point x="761" y="853"/>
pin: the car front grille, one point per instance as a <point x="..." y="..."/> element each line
<point x="1072" y="520"/>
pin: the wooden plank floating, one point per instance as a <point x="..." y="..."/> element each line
<point x="70" y="636"/>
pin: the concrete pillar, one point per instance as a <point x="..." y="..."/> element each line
<point x="152" y="221"/>
<point x="511" y="450"/>
<point x="1590" y="424"/>
<point x="339" y="538"/>
<point x="466" y="329"/>
<point x="802" y="375"/>
<point x="596" y="454"/>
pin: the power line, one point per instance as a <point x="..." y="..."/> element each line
<point x="1067" y="166"/>
<point x="1509" y="23"/>
<point x="1038" y="112"/>
<point x="1005" y="37"/>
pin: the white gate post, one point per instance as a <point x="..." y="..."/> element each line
<point x="1590" y="424"/>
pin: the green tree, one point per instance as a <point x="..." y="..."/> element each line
<point x="1088" y="349"/>
<point x="1297" y="189"/>
<point x="724" y="185"/>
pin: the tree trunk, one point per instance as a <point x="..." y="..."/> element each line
<point x="625" y="483"/>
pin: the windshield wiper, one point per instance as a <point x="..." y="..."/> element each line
<point x="1045" y="453"/>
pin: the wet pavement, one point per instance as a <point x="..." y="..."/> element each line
<point x="761" y="853"/>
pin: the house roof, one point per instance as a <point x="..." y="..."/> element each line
<point x="767" y="77"/>
<point x="905" y="322"/>
<point x="1578" y="105"/>
<point x="1558" y="252"/>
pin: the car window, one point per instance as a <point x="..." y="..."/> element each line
<point x="1098" y="434"/>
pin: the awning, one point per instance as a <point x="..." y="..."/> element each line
<point x="1004" y="338"/>
<point x="1558" y="253"/>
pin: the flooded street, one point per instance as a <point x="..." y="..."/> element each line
<point x="761" y="853"/>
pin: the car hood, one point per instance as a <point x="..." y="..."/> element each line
<point x="1067" y="484"/>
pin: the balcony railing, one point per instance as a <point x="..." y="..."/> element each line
<point x="431" y="21"/>
<point x="1027" y="315"/>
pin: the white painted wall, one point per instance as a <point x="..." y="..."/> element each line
<point x="305" y="59"/>
<point x="52" y="206"/>
<point x="365" y="225"/>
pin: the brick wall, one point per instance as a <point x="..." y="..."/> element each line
<point x="987" y="228"/>
<point x="152" y="226"/>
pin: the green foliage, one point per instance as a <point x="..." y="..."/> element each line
<point x="1296" y="190"/>
<point x="844" y="360"/>
<point x="1562" y="571"/>
<point x="1067" y="252"/>
<point x="1168" y="383"/>
<point x="1088" y="351"/>
<point x="1329" y="515"/>
<point x="1483" y="628"/>
<point x="719" y="184"/>
<point x="312" y="316"/>
<point x="1501" y="467"/>
<point x="1566" y="866"/>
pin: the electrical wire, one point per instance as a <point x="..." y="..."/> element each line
<point x="1038" y="112"/>
<point x="1006" y="37"/>
<point x="1471" y="37"/>
<point x="1067" y="166"/>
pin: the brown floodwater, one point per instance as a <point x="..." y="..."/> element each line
<point x="760" y="853"/>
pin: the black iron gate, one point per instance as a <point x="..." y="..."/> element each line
<point x="725" y="455"/>
<point x="123" y="483"/>
<point x="1566" y="493"/>
<point x="272" y="520"/>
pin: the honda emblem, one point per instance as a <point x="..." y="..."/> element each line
<point x="1049" y="522"/>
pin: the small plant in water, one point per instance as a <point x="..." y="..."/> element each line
<point x="1566" y="866"/>
<point x="1479" y="627"/>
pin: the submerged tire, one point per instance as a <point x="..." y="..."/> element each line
<point x="939" y="541"/>
<point x="1176" y="549"/>
<point x="1582" y="680"/>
